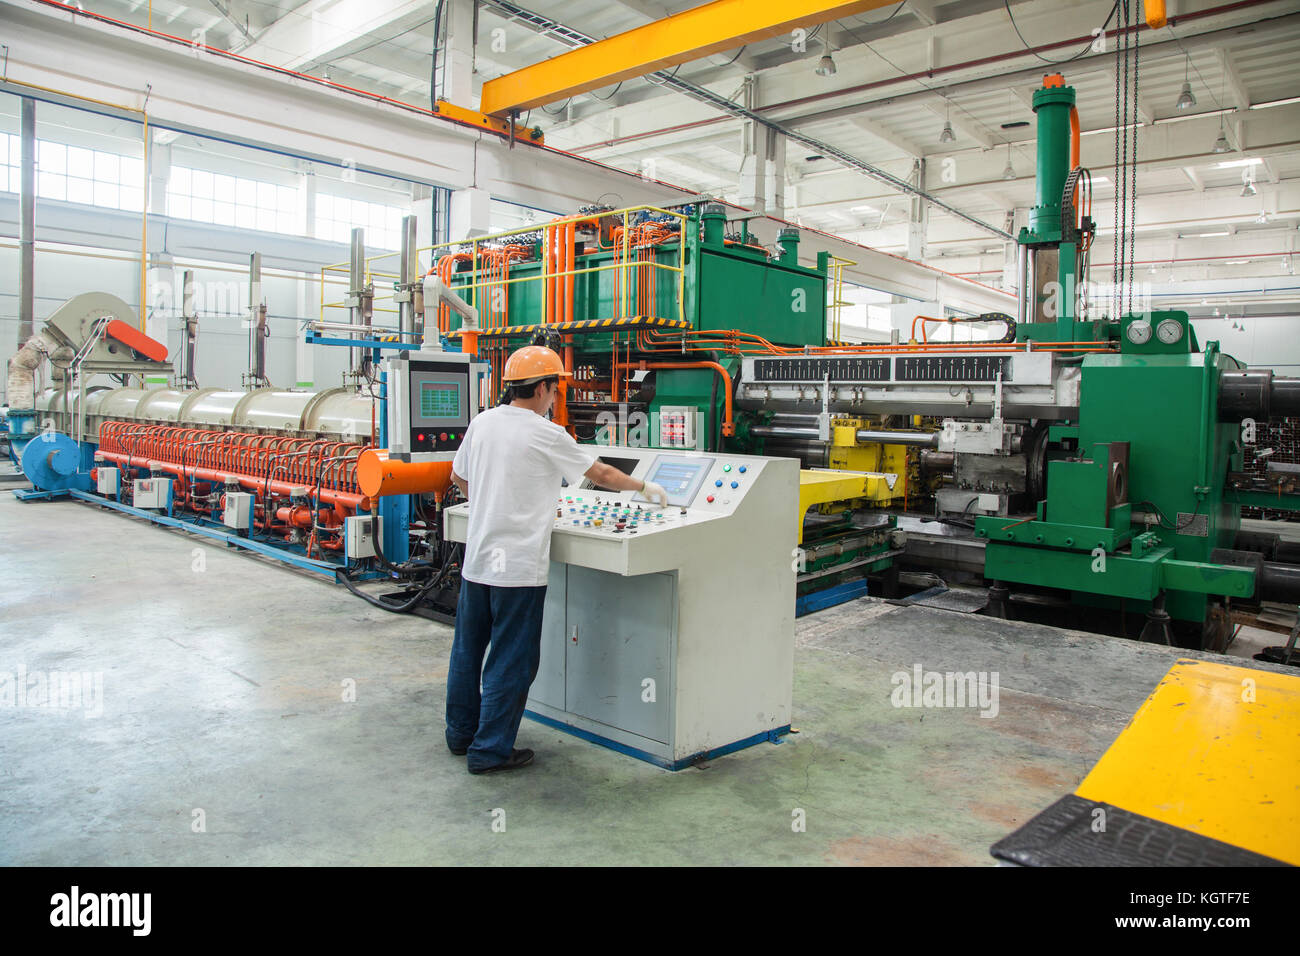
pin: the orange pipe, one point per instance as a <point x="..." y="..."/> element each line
<point x="571" y="236"/>
<point x="378" y="476"/>
<point x="1074" y="148"/>
<point x="728" y="424"/>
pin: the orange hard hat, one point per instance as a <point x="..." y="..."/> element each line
<point x="532" y="363"/>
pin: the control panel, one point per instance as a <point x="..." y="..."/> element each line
<point x="432" y="397"/>
<point x="668" y="632"/>
<point x="700" y="488"/>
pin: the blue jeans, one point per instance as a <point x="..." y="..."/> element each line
<point x="510" y="620"/>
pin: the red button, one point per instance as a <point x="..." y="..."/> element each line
<point x="442" y="436"/>
<point x="420" y="436"/>
<point x="710" y="497"/>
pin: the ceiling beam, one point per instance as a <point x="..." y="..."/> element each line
<point x="901" y="143"/>
<point x="924" y="10"/>
<point x="691" y="35"/>
<point x="1232" y="79"/>
<point x="327" y="29"/>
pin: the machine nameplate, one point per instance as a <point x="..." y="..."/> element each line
<point x="1198" y="526"/>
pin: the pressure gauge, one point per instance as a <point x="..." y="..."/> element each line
<point x="1139" y="332"/>
<point x="1169" y="331"/>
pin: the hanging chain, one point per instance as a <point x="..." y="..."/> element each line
<point x="1133" y="171"/>
<point x="1122" y="132"/>
<point x="1114" y="256"/>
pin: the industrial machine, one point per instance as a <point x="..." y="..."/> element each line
<point x="1078" y="458"/>
<point x="669" y="633"/>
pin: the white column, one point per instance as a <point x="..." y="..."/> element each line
<point x="470" y="214"/>
<point x="457" y="67"/>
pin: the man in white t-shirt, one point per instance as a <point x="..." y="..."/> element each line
<point x="509" y="466"/>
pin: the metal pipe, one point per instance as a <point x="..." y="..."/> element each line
<point x="1022" y="283"/>
<point x="1279" y="582"/>
<point x="27" y="223"/>
<point x="356" y="280"/>
<point x="913" y="439"/>
<point x="408" y="270"/>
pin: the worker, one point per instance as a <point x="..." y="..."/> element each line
<point x="509" y="467"/>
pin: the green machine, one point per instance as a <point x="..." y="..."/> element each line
<point x="1143" y="500"/>
<point x="1143" y="490"/>
<point x="639" y="301"/>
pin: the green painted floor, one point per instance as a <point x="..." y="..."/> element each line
<point x="223" y="686"/>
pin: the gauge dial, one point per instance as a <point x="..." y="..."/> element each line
<point x="1139" y="332"/>
<point x="1169" y="331"/>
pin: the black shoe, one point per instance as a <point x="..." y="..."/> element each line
<point x="518" y="758"/>
<point x="458" y="751"/>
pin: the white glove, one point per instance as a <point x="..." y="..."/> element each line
<point x="655" y="493"/>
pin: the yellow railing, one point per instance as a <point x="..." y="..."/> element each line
<point x="836" y="300"/>
<point x="427" y="257"/>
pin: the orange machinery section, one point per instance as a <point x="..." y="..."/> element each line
<point x="377" y="475"/>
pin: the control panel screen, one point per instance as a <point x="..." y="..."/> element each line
<point x="437" y="397"/>
<point x="439" y="400"/>
<point x="681" y="477"/>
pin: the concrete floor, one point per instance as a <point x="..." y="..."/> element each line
<point x="223" y="693"/>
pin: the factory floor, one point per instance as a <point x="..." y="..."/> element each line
<point x="223" y="712"/>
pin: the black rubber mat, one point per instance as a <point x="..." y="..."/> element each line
<point x="1070" y="833"/>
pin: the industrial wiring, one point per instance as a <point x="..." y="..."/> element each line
<point x="614" y="92"/>
<point x="1007" y="5"/>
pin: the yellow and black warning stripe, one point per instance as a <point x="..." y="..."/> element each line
<point x="584" y="325"/>
<point x="1204" y="774"/>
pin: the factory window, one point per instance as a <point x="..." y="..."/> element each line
<point x="74" y="174"/>
<point x="232" y="201"/>
<point x="337" y="216"/>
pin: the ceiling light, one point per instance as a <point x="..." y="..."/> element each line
<point x="1286" y="102"/>
<point x="1185" y="98"/>
<point x="826" y="65"/>
<point x="1221" y="144"/>
<point x="1248" y="189"/>
<point x="1230" y="163"/>
<point x="1010" y="171"/>
<point x="947" y="135"/>
<point x="1207" y="235"/>
<point x="1262" y="218"/>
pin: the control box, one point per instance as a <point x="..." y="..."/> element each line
<point x="108" y="480"/>
<point x="358" y="536"/>
<point x="432" y="397"/>
<point x="238" y="513"/>
<point x="668" y="633"/>
<point x="153" y="493"/>
<point x="677" y="426"/>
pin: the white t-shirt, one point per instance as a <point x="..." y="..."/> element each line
<point x="513" y="460"/>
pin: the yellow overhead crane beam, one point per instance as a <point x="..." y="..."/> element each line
<point x="711" y="28"/>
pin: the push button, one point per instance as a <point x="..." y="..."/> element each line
<point x="718" y="483"/>
<point x="735" y="484"/>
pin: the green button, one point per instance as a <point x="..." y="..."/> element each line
<point x="726" y="468"/>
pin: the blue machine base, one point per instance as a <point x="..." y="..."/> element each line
<point x="232" y="540"/>
<point x="31" y="494"/>
<point x="839" y="594"/>
<point x="774" y="736"/>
